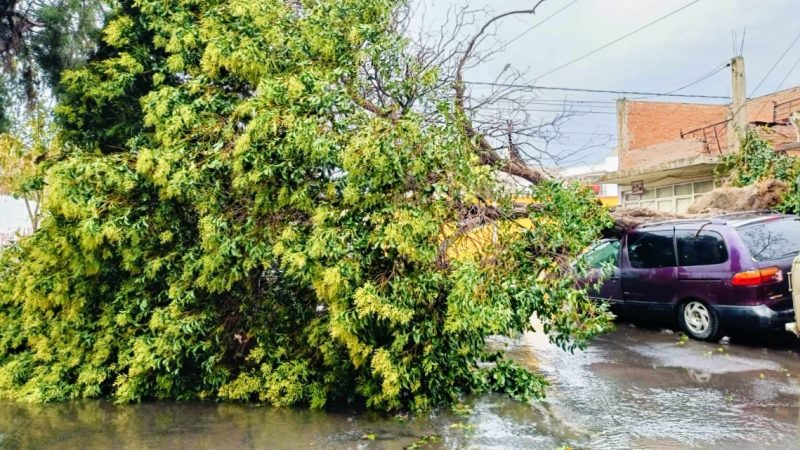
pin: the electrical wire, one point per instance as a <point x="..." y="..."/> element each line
<point x="537" y="103"/>
<point x="515" y="38"/>
<point x="791" y="70"/>
<point x="776" y="64"/>
<point x="783" y="55"/>
<point x="594" y="91"/>
<point x="600" y="103"/>
<point x="566" y="111"/>
<point x="703" y="78"/>
<point x="609" y="44"/>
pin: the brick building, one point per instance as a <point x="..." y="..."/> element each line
<point x="667" y="151"/>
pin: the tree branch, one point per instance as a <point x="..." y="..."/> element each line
<point x="488" y="155"/>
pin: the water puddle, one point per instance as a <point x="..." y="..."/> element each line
<point x="631" y="389"/>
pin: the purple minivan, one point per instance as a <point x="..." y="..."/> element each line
<point x="709" y="276"/>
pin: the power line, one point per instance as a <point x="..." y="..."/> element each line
<point x="590" y="133"/>
<point x="538" y="24"/>
<point x="791" y="70"/>
<point x="767" y="75"/>
<point x="600" y="103"/>
<point x="703" y="78"/>
<point x="536" y="103"/>
<point x="565" y="111"/>
<point x="609" y="44"/>
<point x="776" y="64"/>
<point x="594" y="91"/>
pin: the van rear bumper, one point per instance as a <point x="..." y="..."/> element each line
<point x="760" y="317"/>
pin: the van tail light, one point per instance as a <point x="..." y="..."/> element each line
<point x="758" y="277"/>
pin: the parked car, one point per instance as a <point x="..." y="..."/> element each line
<point x="708" y="276"/>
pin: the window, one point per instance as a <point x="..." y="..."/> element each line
<point x="701" y="187"/>
<point x="674" y="197"/>
<point x="683" y="204"/>
<point x="700" y="249"/>
<point x="771" y="240"/>
<point x="605" y="253"/>
<point x="683" y="189"/>
<point x="664" y="192"/>
<point x="647" y="250"/>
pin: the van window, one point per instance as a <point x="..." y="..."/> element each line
<point x="772" y="240"/>
<point x="603" y="254"/>
<point x="651" y="249"/>
<point x="700" y="249"/>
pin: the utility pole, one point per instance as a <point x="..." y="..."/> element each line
<point x="738" y="124"/>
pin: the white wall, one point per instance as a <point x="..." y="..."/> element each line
<point x="609" y="164"/>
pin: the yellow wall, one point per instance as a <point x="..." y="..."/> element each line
<point x="474" y="243"/>
<point x="609" y="200"/>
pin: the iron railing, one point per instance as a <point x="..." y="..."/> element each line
<point x="782" y="111"/>
<point x="712" y="136"/>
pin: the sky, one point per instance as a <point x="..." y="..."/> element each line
<point x="665" y="56"/>
<point x="676" y="51"/>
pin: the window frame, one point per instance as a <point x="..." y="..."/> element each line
<point x="741" y="230"/>
<point x="697" y="234"/>
<point x="628" y="244"/>
<point x="617" y="263"/>
<point x="650" y="199"/>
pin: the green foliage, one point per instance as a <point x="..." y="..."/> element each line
<point x="566" y="221"/>
<point x="757" y="160"/>
<point x="22" y="164"/>
<point x="225" y="220"/>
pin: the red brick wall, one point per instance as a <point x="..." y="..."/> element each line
<point x="654" y="128"/>
<point x="655" y="122"/>
<point x="654" y="131"/>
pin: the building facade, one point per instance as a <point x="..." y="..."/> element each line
<point x="668" y="151"/>
<point x="591" y="174"/>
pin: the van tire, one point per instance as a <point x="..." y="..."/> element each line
<point x="699" y="321"/>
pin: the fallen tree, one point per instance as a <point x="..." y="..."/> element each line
<point x="762" y="196"/>
<point x="248" y="202"/>
<point x="757" y="178"/>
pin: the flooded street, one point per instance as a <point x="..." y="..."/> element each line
<point x="634" y="388"/>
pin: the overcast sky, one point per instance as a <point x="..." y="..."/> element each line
<point x="665" y="56"/>
<point x="672" y="53"/>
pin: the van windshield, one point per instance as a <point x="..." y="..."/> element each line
<point x="772" y="240"/>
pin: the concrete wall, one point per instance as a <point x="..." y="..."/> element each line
<point x="657" y="154"/>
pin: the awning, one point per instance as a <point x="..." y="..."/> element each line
<point x="679" y="169"/>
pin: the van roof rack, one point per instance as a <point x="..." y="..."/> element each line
<point x="733" y="219"/>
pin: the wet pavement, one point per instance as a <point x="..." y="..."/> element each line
<point x="633" y="388"/>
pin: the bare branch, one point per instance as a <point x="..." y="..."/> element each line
<point x="488" y="155"/>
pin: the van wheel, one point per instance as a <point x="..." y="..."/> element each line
<point x="699" y="321"/>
